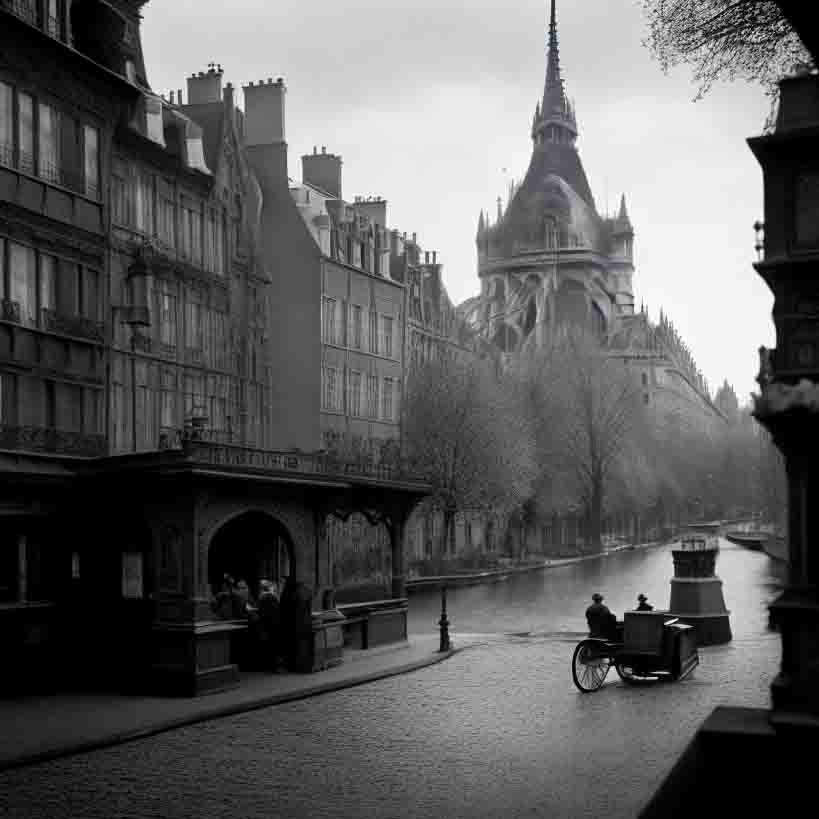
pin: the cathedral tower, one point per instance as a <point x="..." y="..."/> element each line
<point x="550" y="258"/>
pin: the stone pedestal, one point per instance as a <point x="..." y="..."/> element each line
<point x="696" y="592"/>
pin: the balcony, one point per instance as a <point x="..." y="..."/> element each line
<point x="50" y="440"/>
<point x="208" y="447"/>
<point x="77" y="326"/>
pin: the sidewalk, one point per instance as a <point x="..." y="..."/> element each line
<point x="488" y="575"/>
<point x="40" y="728"/>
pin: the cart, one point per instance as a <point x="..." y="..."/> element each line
<point x="655" y="647"/>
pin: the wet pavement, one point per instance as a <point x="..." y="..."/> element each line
<point x="496" y="730"/>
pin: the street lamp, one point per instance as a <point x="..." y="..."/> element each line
<point x="788" y="404"/>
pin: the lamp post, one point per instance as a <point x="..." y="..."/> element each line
<point x="788" y="404"/>
<point x="445" y="645"/>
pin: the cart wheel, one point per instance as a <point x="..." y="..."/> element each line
<point x="590" y="665"/>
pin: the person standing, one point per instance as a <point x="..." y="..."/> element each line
<point x="643" y="604"/>
<point x="270" y="622"/>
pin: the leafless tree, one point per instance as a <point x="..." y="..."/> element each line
<point x="466" y="429"/>
<point x="724" y="40"/>
<point x="589" y="419"/>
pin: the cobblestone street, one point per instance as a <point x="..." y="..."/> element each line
<point x="498" y="730"/>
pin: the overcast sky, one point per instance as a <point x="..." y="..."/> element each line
<point x="430" y="104"/>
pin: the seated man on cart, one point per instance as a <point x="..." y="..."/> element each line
<point x="602" y="623"/>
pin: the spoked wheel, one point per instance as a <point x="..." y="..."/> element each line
<point x="590" y="665"/>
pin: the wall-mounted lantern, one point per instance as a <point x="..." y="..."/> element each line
<point x="138" y="282"/>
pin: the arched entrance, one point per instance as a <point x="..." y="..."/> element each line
<point x="253" y="546"/>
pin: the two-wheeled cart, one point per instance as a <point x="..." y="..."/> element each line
<point x="655" y="647"/>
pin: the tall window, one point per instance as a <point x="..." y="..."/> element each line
<point x="328" y="320"/>
<point x="193" y="322"/>
<point x="330" y="388"/>
<point x="6" y="125"/>
<point x="354" y="394"/>
<point x="23" y="280"/>
<point x="25" y="132"/>
<point x="167" y="316"/>
<point x="386" y="336"/>
<point x="373" y="331"/>
<point x="144" y="202"/>
<point x="89" y="294"/>
<point x="386" y="400"/>
<point x="167" y="399"/>
<point x="212" y="241"/>
<point x="48" y="282"/>
<point x="372" y="396"/>
<point x="357" y="340"/>
<point x="91" y="164"/>
<point x="48" y="158"/>
<point x="166" y="214"/>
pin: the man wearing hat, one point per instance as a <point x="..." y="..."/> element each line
<point x="602" y="623"/>
<point x="643" y="604"/>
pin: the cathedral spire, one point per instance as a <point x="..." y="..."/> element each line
<point x="556" y="120"/>
<point x="554" y="82"/>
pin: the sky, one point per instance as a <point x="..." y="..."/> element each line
<point x="430" y="104"/>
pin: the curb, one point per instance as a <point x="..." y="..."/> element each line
<point x="61" y="752"/>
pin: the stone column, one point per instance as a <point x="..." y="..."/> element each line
<point x="396" y="529"/>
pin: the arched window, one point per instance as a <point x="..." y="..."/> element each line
<point x="551" y="233"/>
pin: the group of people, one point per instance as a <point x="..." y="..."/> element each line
<point x="603" y="623"/>
<point x="278" y="619"/>
<point x="234" y="601"/>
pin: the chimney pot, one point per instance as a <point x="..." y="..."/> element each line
<point x="270" y="80"/>
<point x="426" y="257"/>
<point x="323" y="149"/>
<point x="434" y="254"/>
<point x="172" y="102"/>
<point x="279" y="80"/>
<point x="179" y="96"/>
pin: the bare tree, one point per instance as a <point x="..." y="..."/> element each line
<point x="466" y="429"/>
<point x="724" y="40"/>
<point x="589" y="419"/>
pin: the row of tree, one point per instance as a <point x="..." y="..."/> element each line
<point x="567" y="429"/>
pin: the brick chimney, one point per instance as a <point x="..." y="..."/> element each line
<point x="322" y="170"/>
<point x="264" y="112"/>
<point x="206" y="86"/>
<point x="375" y="208"/>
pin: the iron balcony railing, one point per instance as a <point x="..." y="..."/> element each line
<point x="48" y="439"/>
<point x="209" y="447"/>
<point x="78" y="326"/>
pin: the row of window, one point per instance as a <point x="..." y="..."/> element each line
<point x="42" y="140"/>
<point x="367" y="396"/>
<point x="356" y="252"/>
<point x="167" y="396"/>
<point x="150" y="204"/>
<point x="35" y="281"/>
<point x="350" y="325"/>
<point x="36" y="402"/>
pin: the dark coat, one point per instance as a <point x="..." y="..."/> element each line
<point x="600" y="619"/>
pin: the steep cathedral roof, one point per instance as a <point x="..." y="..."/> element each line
<point x="555" y="166"/>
